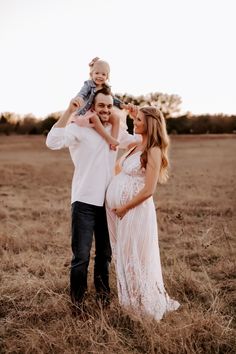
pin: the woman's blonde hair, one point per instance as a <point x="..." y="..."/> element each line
<point x="156" y="136"/>
<point x="97" y="61"/>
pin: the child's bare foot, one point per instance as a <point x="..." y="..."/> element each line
<point x="112" y="141"/>
<point x="113" y="147"/>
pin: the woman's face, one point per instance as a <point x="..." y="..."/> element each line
<point x="140" y="125"/>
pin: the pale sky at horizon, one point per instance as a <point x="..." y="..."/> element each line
<point x="184" y="47"/>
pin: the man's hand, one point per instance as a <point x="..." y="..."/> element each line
<point x="75" y="103"/>
<point x="73" y="106"/>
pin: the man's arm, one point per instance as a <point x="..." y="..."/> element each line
<point x="63" y="135"/>
<point x="128" y="140"/>
<point x="62" y="121"/>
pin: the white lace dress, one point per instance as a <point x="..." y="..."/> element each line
<point x="134" y="242"/>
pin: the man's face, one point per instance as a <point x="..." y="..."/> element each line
<point x="102" y="106"/>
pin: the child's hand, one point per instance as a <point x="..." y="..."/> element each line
<point x="85" y="120"/>
<point x="82" y="121"/>
<point x="92" y="116"/>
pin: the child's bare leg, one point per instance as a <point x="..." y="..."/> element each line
<point x="98" y="126"/>
<point x="115" y="122"/>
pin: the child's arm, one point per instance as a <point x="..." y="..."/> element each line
<point x="118" y="103"/>
<point x="133" y="111"/>
<point x="83" y="94"/>
<point x="115" y="122"/>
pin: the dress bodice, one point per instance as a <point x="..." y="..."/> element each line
<point x="131" y="165"/>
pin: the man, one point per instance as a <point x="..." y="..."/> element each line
<point x="94" y="163"/>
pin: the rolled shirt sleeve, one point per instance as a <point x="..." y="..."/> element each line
<point x="59" y="138"/>
<point x="125" y="139"/>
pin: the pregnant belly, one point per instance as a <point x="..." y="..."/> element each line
<point x="122" y="188"/>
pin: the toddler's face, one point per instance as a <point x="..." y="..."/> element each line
<point x="99" y="74"/>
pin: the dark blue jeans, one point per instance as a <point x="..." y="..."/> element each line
<point x="87" y="220"/>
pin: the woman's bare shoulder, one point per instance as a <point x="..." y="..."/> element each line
<point x="154" y="155"/>
<point x="154" y="151"/>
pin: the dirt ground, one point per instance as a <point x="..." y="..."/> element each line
<point x="196" y="219"/>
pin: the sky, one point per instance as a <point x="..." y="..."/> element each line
<point x="183" y="47"/>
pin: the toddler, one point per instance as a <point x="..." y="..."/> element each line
<point x="99" y="74"/>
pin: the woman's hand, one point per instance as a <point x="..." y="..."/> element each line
<point x="120" y="212"/>
<point x="132" y="109"/>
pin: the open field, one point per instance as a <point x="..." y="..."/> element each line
<point x="196" y="217"/>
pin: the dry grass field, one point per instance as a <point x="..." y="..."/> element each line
<point x="195" y="212"/>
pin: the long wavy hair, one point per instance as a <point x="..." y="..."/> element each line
<point x="156" y="136"/>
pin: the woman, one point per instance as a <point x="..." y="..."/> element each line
<point x="132" y="218"/>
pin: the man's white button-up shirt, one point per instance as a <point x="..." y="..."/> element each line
<point x="92" y="158"/>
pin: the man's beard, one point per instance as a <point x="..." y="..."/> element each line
<point x="104" y="117"/>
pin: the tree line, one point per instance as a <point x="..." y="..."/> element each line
<point x="11" y="123"/>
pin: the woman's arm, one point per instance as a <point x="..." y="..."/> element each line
<point x="151" y="178"/>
